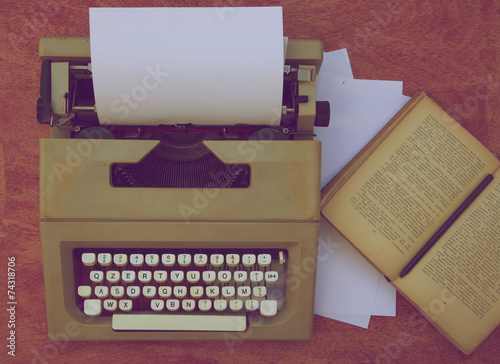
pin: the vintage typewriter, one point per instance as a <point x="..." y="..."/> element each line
<point x="178" y="231"/>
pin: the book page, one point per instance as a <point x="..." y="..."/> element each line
<point x="408" y="187"/>
<point x="457" y="283"/>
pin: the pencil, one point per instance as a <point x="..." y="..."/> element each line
<point x="477" y="191"/>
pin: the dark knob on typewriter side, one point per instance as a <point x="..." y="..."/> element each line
<point x="322" y="114"/>
<point x="43" y="105"/>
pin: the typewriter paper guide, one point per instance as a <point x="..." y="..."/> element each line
<point x="212" y="66"/>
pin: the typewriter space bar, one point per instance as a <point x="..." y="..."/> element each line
<point x="173" y="322"/>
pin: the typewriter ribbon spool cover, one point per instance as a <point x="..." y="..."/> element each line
<point x="236" y="192"/>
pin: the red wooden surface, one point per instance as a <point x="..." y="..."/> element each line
<point x="449" y="49"/>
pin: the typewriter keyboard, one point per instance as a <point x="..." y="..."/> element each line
<point x="180" y="289"/>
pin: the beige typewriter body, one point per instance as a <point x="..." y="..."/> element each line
<point x="80" y="209"/>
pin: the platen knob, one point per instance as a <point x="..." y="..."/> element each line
<point x="322" y="113"/>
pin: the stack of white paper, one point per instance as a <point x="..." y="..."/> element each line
<point x="348" y="288"/>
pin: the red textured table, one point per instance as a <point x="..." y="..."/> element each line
<point x="449" y="49"/>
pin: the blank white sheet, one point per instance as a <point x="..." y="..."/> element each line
<point x="208" y="66"/>
<point x="349" y="289"/>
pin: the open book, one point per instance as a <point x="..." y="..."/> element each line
<point x="392" y="198"/>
